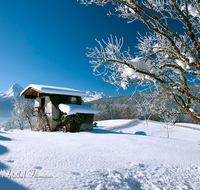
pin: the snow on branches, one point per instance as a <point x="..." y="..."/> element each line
<point x="168" y="59"/>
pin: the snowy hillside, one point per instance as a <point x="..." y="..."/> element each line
<point x="101" y="159"/>
<point x="93" y="95"/>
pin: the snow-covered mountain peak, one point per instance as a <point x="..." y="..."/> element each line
<point x="14" y="89"/>
<point x="93" y="95"/>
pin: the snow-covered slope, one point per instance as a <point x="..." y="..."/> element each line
<point x="101" y="159"/>
<point x="93" y="95"/>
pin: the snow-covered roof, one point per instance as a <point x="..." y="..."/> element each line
<point x="71" y="109"/>
<point x="29" y="90"/>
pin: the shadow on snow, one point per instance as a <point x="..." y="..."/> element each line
<point x="3" y="150"/>
<point x="2" y="138"/>
<point x="104" y="131"/>
<point x="6" y="183"/>
<point x="115" y="130"/>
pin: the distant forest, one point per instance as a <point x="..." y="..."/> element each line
<point x="126" y="107"/>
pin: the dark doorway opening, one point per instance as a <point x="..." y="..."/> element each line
<point x="42" y="104"/>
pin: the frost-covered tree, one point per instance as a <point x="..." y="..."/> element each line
<point x="115" y="111"/>
<point x="168" y="60"/>
<point x="22" y="112"/>
<point x="28" y="110"/>
<point x="169" y="123"/>
<point x="155" y="105"/>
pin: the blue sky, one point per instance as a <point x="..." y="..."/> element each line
<point x="44" y="42"/>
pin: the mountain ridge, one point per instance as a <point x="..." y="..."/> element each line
<point x="15" y="89"/>
<point x="93" y="95"/>
<point x="6" y="101"/>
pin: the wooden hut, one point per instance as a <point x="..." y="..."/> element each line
<point x="58" y="107"/>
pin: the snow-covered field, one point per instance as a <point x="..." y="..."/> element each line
<point x="101" y="159"/>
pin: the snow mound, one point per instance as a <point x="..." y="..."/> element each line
<point x="71" y="109"/>
<point x="140" y="133"/>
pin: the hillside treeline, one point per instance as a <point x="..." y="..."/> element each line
<point x="133" y="106"/>
<point x="117" y="111"/>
